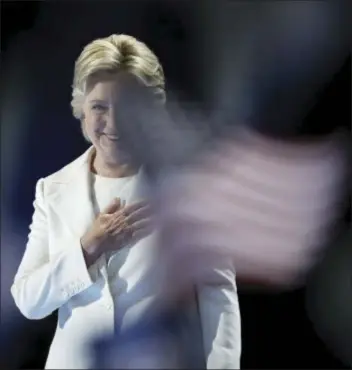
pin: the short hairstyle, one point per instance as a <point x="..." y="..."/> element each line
<point x="113" y="54"/>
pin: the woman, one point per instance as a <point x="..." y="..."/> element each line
<point x="91" y="249"/>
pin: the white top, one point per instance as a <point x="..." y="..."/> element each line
<point x="105" y="190"/>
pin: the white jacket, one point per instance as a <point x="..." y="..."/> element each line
<point x="53" y="275"/>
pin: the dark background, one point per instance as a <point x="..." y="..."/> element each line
<point x="39" y="43"/>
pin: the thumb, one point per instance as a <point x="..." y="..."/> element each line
<point x="114" y="206"/>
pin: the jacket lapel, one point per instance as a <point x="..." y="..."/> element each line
<point x="72" y="202"/>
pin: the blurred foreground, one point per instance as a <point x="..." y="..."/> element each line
<point x="261" y="181"/>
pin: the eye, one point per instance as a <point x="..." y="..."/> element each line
<point x="99" y="108"/>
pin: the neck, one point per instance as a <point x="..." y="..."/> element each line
<point x="101" y="168"/>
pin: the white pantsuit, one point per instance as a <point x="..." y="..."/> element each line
<point x="53" y="275"/>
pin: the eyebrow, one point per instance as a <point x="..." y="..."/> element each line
<point x="98" y="101"/>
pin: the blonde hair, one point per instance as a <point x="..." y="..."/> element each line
<point x="113" y="54"/>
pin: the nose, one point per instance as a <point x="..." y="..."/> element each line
<point x="111" y="121"/>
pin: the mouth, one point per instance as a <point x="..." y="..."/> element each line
<point x="112" y="137"/>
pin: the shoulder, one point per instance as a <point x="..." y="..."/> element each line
<point x="53" y="184"/>
<point x="65" y="174"/>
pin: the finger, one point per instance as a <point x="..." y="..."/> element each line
<point x="134" y="206"/>
<point x="114" y="206"/>
<point x="141" y="224"/>
<point x="119" y="231"/>
<point x="108" y="221"/>
<point x="139" y="214"/>
<point x="118" y="225"/>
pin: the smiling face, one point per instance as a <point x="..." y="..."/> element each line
<point x="100" y="122"/>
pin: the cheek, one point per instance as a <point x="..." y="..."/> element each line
<point x="93" y="125"/>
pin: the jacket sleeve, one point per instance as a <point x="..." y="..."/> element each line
<point x="45" y="282"/>
<point x="220" y="318"/>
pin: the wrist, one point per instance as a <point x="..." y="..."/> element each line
<point x="91" y="250"/>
